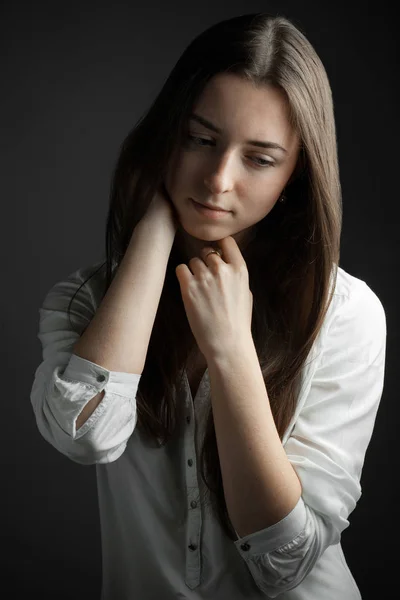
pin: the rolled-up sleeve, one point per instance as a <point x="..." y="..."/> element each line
<point x="64" y="383"/>
<point x="327" y="445"/>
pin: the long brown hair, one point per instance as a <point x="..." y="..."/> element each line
<point x="295" y="253"/>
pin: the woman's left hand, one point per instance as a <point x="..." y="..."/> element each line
<point x="217" y="299"/>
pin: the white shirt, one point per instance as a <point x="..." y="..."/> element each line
<point x="158" y="538"/>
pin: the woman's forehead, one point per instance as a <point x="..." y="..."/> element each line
<point x="237" y="107"/>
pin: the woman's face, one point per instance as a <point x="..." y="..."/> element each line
<point x="228" y="161"/>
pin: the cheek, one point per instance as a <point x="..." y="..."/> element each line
<point x="255" y="207"/>
<point x="261" y="209"/>
<point x="260" y="198"/>
<point x="186" y="165"/>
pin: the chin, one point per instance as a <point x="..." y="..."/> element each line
<point x="206" y="236"/>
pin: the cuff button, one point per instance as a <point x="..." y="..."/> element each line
<point x="100" y="377"/>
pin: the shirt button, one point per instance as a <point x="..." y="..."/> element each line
<point x="193" y="504"/>
<point x="100" y="377"/>
<point x="192" y="546"/>
<point x="190" y="462"/>
<point x="245" y="546"/>
<point x="188" y="419"/>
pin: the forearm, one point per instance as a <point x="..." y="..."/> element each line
<point x="260" y="485"/>
<point x="118" y="336"/>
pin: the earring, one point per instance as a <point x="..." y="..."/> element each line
<point x="282" y="198"/>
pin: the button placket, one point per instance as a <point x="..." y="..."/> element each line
<point x="194" y="517"/>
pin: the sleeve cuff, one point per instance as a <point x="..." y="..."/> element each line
<point x="276" y="535"/>
<point x="85" y="371"/>
<point x="72" y="387"/>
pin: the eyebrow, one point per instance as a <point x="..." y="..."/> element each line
<point x="209" y="125"/>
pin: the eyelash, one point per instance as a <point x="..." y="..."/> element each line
<point x="194" y="139"/>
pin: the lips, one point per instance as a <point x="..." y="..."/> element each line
<point x="211" y="207"/>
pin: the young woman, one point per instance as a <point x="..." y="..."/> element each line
<point x="220" y="369"/>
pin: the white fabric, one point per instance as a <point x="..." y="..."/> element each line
<point x="151" y="500"/>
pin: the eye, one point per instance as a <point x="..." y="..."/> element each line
<point x="264" y="163"/>
<point x="199" y="141"/>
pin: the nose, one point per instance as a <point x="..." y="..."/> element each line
<point x="221" y="177"/>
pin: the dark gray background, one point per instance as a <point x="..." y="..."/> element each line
<point x="75" y="78"/>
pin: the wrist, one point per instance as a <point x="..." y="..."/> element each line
<point x="242" y="347"/>
<point x="157" y="229"/>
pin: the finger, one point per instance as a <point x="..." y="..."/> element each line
<point x="197" y="266"/>
<point x="183" y="274"/>
<point x="209" y="253"/>
<point x="231" y="252"/>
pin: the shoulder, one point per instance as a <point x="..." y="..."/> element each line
<point x="356" y="318"/>
<point x="93" y="278"/>
<point x="86" y="283"/>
